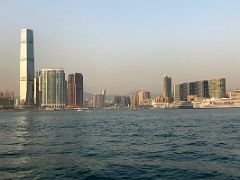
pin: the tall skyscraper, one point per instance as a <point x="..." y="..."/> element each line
<point x="75" y="89"/>
<point x="167" y="88"/>
<point x="26" y="68"/>
<point x="53" y="88"/>
<point x="71" y="82"/>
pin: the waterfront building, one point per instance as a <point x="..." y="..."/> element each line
<point x="26" y="69"/>
<point x="184" y="91"/>
<point x="75" y="90"/>
<point x="177" y="92"/>
<point x="135" y="100"/>
<point x="66" y="92"/>
<point x="234" y="95"/>
<point x="142" y="95"/>
<point x="159" y="99"/>
<point x="167" y="88"/>
<point x="37" y="88"/>
<point x="117" y="100"/>
<point x="217" y="88"/>
<point x="146" y="103"/>
<point x="205" y="89"/>
<point x="159" y="102"/>
<point x="191" y="98"/>
<point x="187" y="89"/>
<point x="98" y="100"/>
<point x="6" y="100"/>
<point x="202" y="89"/>
<point x="125" y="101"/>
<point x="70" y="91"/>
<point x="53" y="88"/>
<point x="104" y="96"/>
<point x="122" y="101"/>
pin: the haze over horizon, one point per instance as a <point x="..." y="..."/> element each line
<point x="124" y="45"/>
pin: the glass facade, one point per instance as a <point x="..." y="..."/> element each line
<point x="75" y="89"/>
<point x="167" y="86"/>
<point x="26" y="68"/>
<point x="215" y="88"/>
<point x="53" y="88"/>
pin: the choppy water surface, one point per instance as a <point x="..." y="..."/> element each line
<point x="137" y="144"/>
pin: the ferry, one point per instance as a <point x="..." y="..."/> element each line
<point x="217" y="103"/>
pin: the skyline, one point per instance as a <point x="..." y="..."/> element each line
<point x="131" y="53"/>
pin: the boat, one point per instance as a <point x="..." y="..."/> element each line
<point x="217" y="103"/>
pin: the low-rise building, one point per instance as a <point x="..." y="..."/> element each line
<point x="6" y="100"/>
<point x="140" y="97"/>
<point x="234" y="95"/>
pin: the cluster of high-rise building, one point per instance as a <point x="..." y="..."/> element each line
<point x="46" y="88"/>
<point x="214" y="89"/>
<point x="195" y="92"/>
<point x="141" y="98"/>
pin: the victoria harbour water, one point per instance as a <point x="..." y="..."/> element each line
<point x="120" y="144"/>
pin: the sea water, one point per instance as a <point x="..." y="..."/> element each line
<point x="120" y="144"/>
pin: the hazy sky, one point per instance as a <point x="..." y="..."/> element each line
<point x="124" y="45"/>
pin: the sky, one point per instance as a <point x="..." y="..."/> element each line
<point x="124" y="45"/>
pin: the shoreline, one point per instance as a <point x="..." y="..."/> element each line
<point x="113" y="109"/>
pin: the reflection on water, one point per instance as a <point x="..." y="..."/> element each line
<point x="15" y="150"/>
<point x="147" y="144"/>
<point x="22" y="129"/>
<point x="22" y="133"/>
